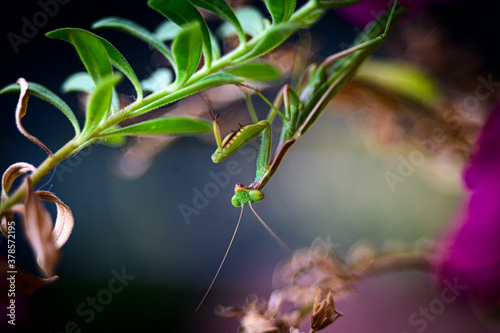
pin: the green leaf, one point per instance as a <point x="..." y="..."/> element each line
<point x="311" y="19"/>
<point x="328" y="4"/>
<point x="158" y="80"/>
<point x="115" y="102"/>
<point x="221" y="8"/>
<point x="215" y="46"/>
<point x="97" y="62"/>
<point x="135" y="30"/>
<point x="47" y="95"/>
<point x="215" y="80"/>
<point x="90" y="49"/>
<point x="113" y="141"/>
<point x="401" y="79"/>
<point x="261" y="71"/>
<point x="273" y="37"/>
<point x="99" y="104"/>
<point x="167" y="30"/>
<point x="122" y="65"/>
<point x="210" y="81"/>
<point x="182" y="12"/>
<point x="281" y="10"/>
<point x="251" y="21"/>
<point x="187" y="52"/>
<point x="79" y="81"/>
<point x="164" y="126"/>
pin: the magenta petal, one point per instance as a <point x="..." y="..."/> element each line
<point x="368" y="10"/>
<point x="363" y="12"/>
<point x="470" y="252"/>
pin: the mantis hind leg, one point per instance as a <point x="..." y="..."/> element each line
<point x="275" y="236"/>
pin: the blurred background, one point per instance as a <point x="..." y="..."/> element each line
<point x="334" y="184"/>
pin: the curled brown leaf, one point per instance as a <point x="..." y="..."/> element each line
<point x="12" y="172"/>
<point x="254" y="322"/>
<point x="22" y="105"/>
<point x="64" y="221"/>
<point x="229" y="311"/>
<point x="38" y="228"/>
<point x="324" y="312"/>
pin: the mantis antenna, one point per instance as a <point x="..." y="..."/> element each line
<point x="222" y="262"/>
<point x="279" y="240"/>
<point x="276" y="237"/>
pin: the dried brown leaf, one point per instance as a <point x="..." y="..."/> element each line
<point x="4" y="220"/>
<point x="313" y="266"/>
<point x="274" y="303"/>
<point x="292" y="318"/>
<point x="362" y="252"/>
<point x="254" y="322"/>
<point x="21" y="108"/>
<point x="229" y="311"/>
<point x="324" y="312"/>
<point x="38" y="227"/>
<point x="25" y="282"/>
<point x="294" y="330"/>
<point x="12" y="172"/>
<point x="64" y="221"/>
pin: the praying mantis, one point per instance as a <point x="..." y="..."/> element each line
<point x="302" y="107"/>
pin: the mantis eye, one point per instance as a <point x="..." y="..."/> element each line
<point x="235" y="201"/>
<point x="256" y="195"/>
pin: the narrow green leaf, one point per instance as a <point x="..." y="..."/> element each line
<point x="221" y="8"/>
<point x="281" y="10"/>
<point x="90" y="49"/>
<point x="215" y="46"/>
<point x="167" y="30"/>
<point x="261" y="71"/>
<point x="186" y="49"/>
<point x="47" y="95"/>
<point x="273" y="37"/>
<point x="158" y="80"/>
<point x="82" y="38"/>
<point x="181" y="12"/>
<point x="135" y="30"/>
<point x="79" y="81"/>
<point x="311" y="19"/>
<point x="328" y="4"/>
<point x="401" y="79"/>
<point x="164" y="126"/>
<point x="122" y="65"/>
<point x="113" y="141"/>
<point x="215" y="80"/>
<point x="251" y="20"/>
<point x="115" y="102"/>
<point x="99" y="104"/>
<point x="210" y="81"/>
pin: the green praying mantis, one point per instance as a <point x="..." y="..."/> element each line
<point x="302" y="107"/>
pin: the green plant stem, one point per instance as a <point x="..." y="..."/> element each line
<point x="67" y="150"/>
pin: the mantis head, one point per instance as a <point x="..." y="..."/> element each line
<point x="245" y="196"/>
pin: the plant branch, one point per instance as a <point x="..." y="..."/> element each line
<point x="168" y="95"/>
<point x="392" y="262"/>
<point x="67" y="150"/>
